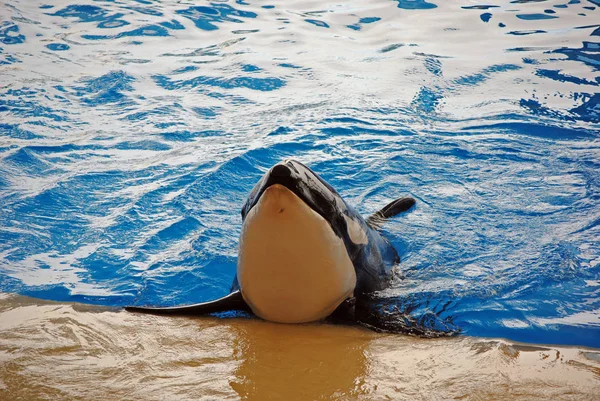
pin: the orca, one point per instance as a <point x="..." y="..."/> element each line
<point x="305" y="255"/>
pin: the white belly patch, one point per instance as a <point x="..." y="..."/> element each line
<point x="292" y="268"/>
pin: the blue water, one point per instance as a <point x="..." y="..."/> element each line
<point x="132" y="131"/>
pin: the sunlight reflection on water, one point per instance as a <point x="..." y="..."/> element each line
<point x="62" y="351"/>
<point x="131" y="134"/>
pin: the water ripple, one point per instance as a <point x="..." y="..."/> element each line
<point x="131" y="134"/>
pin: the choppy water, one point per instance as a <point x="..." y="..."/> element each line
<point x="131" y="132"/>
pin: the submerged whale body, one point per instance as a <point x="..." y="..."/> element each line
<point x="305" y="255"/>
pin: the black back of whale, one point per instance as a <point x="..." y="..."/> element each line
<point x="372" y="260"/>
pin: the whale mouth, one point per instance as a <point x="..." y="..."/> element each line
<point x="292" y="267"/>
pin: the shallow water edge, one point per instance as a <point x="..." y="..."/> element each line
<point x="63" y="351"/>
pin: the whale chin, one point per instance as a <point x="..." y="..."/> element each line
<point x="292" y="267"/>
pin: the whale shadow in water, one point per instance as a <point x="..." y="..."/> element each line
<point x="300" y="362"/>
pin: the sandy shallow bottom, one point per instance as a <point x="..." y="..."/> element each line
<point x="76" y="352"/>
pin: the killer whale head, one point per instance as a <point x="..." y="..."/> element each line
<point x="297" y="247"/>
<point x="317" y="194"/>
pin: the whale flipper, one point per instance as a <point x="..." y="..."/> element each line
<point x="377" y="219"/>
<point x="232" y="301"/>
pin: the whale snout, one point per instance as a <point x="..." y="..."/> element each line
<point x="281" y="171"/>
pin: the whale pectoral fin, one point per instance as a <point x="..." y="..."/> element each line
<point x="377" y="219"/>
<point x="233" y="301"/>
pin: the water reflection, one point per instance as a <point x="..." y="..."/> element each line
<point x="206" y="18"/>
<point x="296" y="362"/>
<point x="66" y="352"/>
<point x="415" y="5"/>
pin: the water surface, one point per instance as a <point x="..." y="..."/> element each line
<point x="131" y="133"/>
